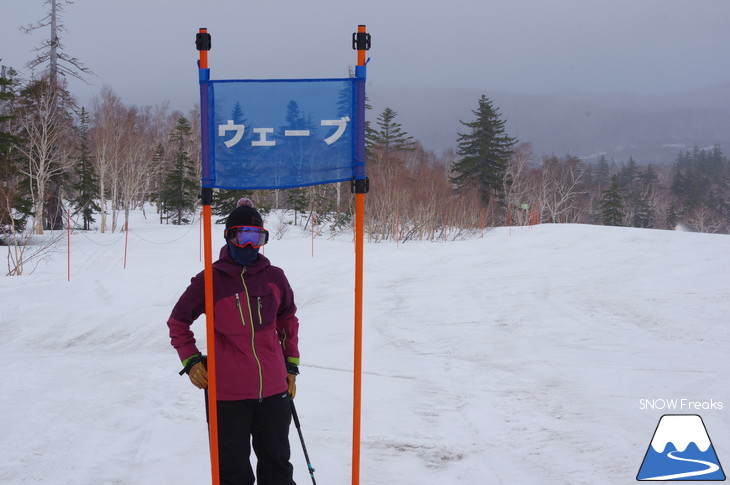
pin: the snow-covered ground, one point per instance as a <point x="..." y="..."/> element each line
<point x="528" y="356"/>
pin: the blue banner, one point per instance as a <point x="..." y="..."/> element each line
<point x="275" y="134"/>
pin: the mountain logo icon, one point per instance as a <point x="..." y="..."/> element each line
<point x="680" y="450"/>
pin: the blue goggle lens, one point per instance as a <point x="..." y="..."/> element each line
<point x="245" y="235"/>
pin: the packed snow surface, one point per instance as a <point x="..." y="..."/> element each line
<point x="533" y="355"/>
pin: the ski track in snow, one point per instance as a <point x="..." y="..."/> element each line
<point x="519" y="357"/>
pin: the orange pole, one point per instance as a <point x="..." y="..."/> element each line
<point x="357" y="368"/>
<point x="361" y="52"/>
<point x="203" y="53"/>
<point x="210" y="336"/>
<point x="209" y="308"/>
<point x="359" y="249"/>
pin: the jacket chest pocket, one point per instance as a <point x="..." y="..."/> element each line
<point x="231" y="316"/>
<point x="263" y="307"/>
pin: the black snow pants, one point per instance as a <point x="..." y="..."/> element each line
<point x="263" y="424"/>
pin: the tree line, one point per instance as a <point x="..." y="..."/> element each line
<point x="693" y="193"/>
<point x="102" y="161"/>
<point x="109" y="159"/>
<point x="491" y="179"/>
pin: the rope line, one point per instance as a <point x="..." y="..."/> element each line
<point x="164" y="243"/>
<point x="77" y="228"/>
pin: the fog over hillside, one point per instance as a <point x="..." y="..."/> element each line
<point x="651" y="129"/>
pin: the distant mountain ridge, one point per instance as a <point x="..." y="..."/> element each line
<point x="649" y="128"/>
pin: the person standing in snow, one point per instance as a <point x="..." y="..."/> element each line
<point x="257" y="355"/>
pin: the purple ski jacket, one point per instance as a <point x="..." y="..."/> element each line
<point x="256" y="329"/>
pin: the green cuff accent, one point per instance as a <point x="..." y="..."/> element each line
<point x="185" y="362"/>
<point x="293" y="360"/>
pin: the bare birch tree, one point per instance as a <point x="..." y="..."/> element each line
<point x="45" y="124"/>
<point x="106" y="137"/>
<point x="704" y="219"/>
<point x="133" y="172"/>
<point x="562" y="195"/>
<point x="520" y="189"/>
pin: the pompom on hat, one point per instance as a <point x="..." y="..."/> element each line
<point x="244" y="201"/>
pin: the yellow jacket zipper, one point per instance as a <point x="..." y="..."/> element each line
<point x="253" y="332"/>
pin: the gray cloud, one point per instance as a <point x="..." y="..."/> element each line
<point x="145" y="51"/>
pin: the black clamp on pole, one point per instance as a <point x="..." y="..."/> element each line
<point x="206" y="196"/>
<point x="361" y="41"/>
<point x="203" y="41"/>
<point x="360" y="186"/>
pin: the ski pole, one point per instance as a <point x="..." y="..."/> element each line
<point x="301" y="438"/>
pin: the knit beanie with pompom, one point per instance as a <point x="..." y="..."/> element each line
<point x="244" y="215"/>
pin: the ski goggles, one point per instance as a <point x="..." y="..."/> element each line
<point x="243" y="236"/>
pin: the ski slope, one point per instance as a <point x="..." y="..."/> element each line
<point x="517" y="357"/>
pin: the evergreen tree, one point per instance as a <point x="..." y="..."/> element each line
<point x="628" y="174"/>
<point x="643" y="192"/>
<point x="700" y="181"/>
<point x="345" y="99"/>
<point x="485" y="152"/>
<point x="643" y="214"/>
<point x="242" y="149"/>
<point x="344" y="105"/>
<point x="638" y="194"/>
<point x="369" y="133"/>
<point x="181" y="188"/>
<point x="224" y="201"/>
<point x="603" y="173"/>
<point x="612" y="204"/>
<point x="297" y="121"/>
<point x="389" y="138"/>
<point x="157" y="192"/>
<point x="86" y="186"/>
<point x="298" y="148"/>
<point x="298" y="200"/>
<point x="15" y="202"/>
<point x="672" y="216"/>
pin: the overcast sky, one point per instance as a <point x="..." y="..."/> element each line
<point x="144" y="49"/>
